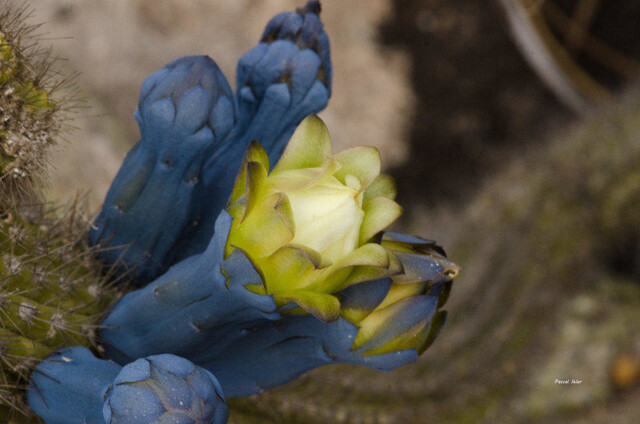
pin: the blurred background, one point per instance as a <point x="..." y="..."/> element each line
<point x="513" y="130"/>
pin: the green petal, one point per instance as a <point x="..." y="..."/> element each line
<point x="370" y="255"/>
<point x="295" y="179"/>
<point x="379" y="213"/>
<point x="382" y="186"/>
<point x="375" y="325"/>
<point x="399" y="292"/>
<point x="269" y="227"/>
<point x="363" y="162"/>
<point x="419" y="337"/>
<point x="256" y="179"/>
<point x="291" y="267"/>
<point x="309" y="147"/>
<point x="323" y="306"/>
<point x="255" y="153"/>
<point x="415" y="337"/>
<point x="368" y="273"/>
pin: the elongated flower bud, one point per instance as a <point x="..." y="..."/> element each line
<point x="283" y="79"/>
<point x="185" y="113"/>
<point x="162" y="205"/>
<point x="286" y="77"/>
<point x="298" y="275"/>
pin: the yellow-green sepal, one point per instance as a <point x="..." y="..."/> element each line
<point x="382" y="186"/>
<point x="255" y="153"/>
<point x="325" y="307"/>
<point x="379" y="213"/>
<point x="309" y="147"/>
<point x="370" y="255"/>
<point x="399" y="292"/>
<point x="291" y="268"/>
<point x="360" y="274"/>
<point x="362" y="162"/>
<point x="256" y="180"/>
<point x="266" y="230"/>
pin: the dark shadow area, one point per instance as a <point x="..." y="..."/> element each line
<point x="611" y="51"/>
<point x="623" y="257"/>
<point x="478" y="102"/>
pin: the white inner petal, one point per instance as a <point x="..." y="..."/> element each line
<point x="327" y="216"/>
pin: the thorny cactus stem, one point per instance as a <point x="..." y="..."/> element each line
<point x="50" y="297"/>
<point x="34" y="101"/>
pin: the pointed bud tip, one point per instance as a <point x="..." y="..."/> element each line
<point x="312" y="6"/>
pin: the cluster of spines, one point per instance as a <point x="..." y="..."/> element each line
<point x="34" y="99"/>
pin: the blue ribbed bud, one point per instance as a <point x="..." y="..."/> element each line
<point x="162" y="205"/>
<point x="283" y="79"/>
<point x="164" y="389"/>
<point x="69" y="387"/>
<point x="286" y="77"/>
<point x="185" y="113"/>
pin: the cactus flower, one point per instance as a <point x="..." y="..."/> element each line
<point x="297" y="275"/>
<point x="310" y="224"/>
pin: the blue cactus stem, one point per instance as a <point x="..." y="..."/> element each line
<point x="185" y="113"/>
<point x="69" y="387"/>
<point x="164" y="389"/>
<point x="193" y="310"/>
<point x="201" y="310"/>
<point x="283" y="79"/>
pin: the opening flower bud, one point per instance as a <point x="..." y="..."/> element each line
<point x="309" y="225"/>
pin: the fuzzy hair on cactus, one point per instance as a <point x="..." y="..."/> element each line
<point x="50" y="293"/>
<point x="162" y="205"/>
<point x="260" y="307"/>
<point x="50" y="296"/>
<point x="34" y="101"/>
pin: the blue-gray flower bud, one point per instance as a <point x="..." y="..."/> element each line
<point x="162" y="205"/>
<point x="185" y="113"/>
<point x="280" y="81"/>
<point x="164" y="389"/>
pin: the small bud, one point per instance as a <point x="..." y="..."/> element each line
<point x="164" y="388"/>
